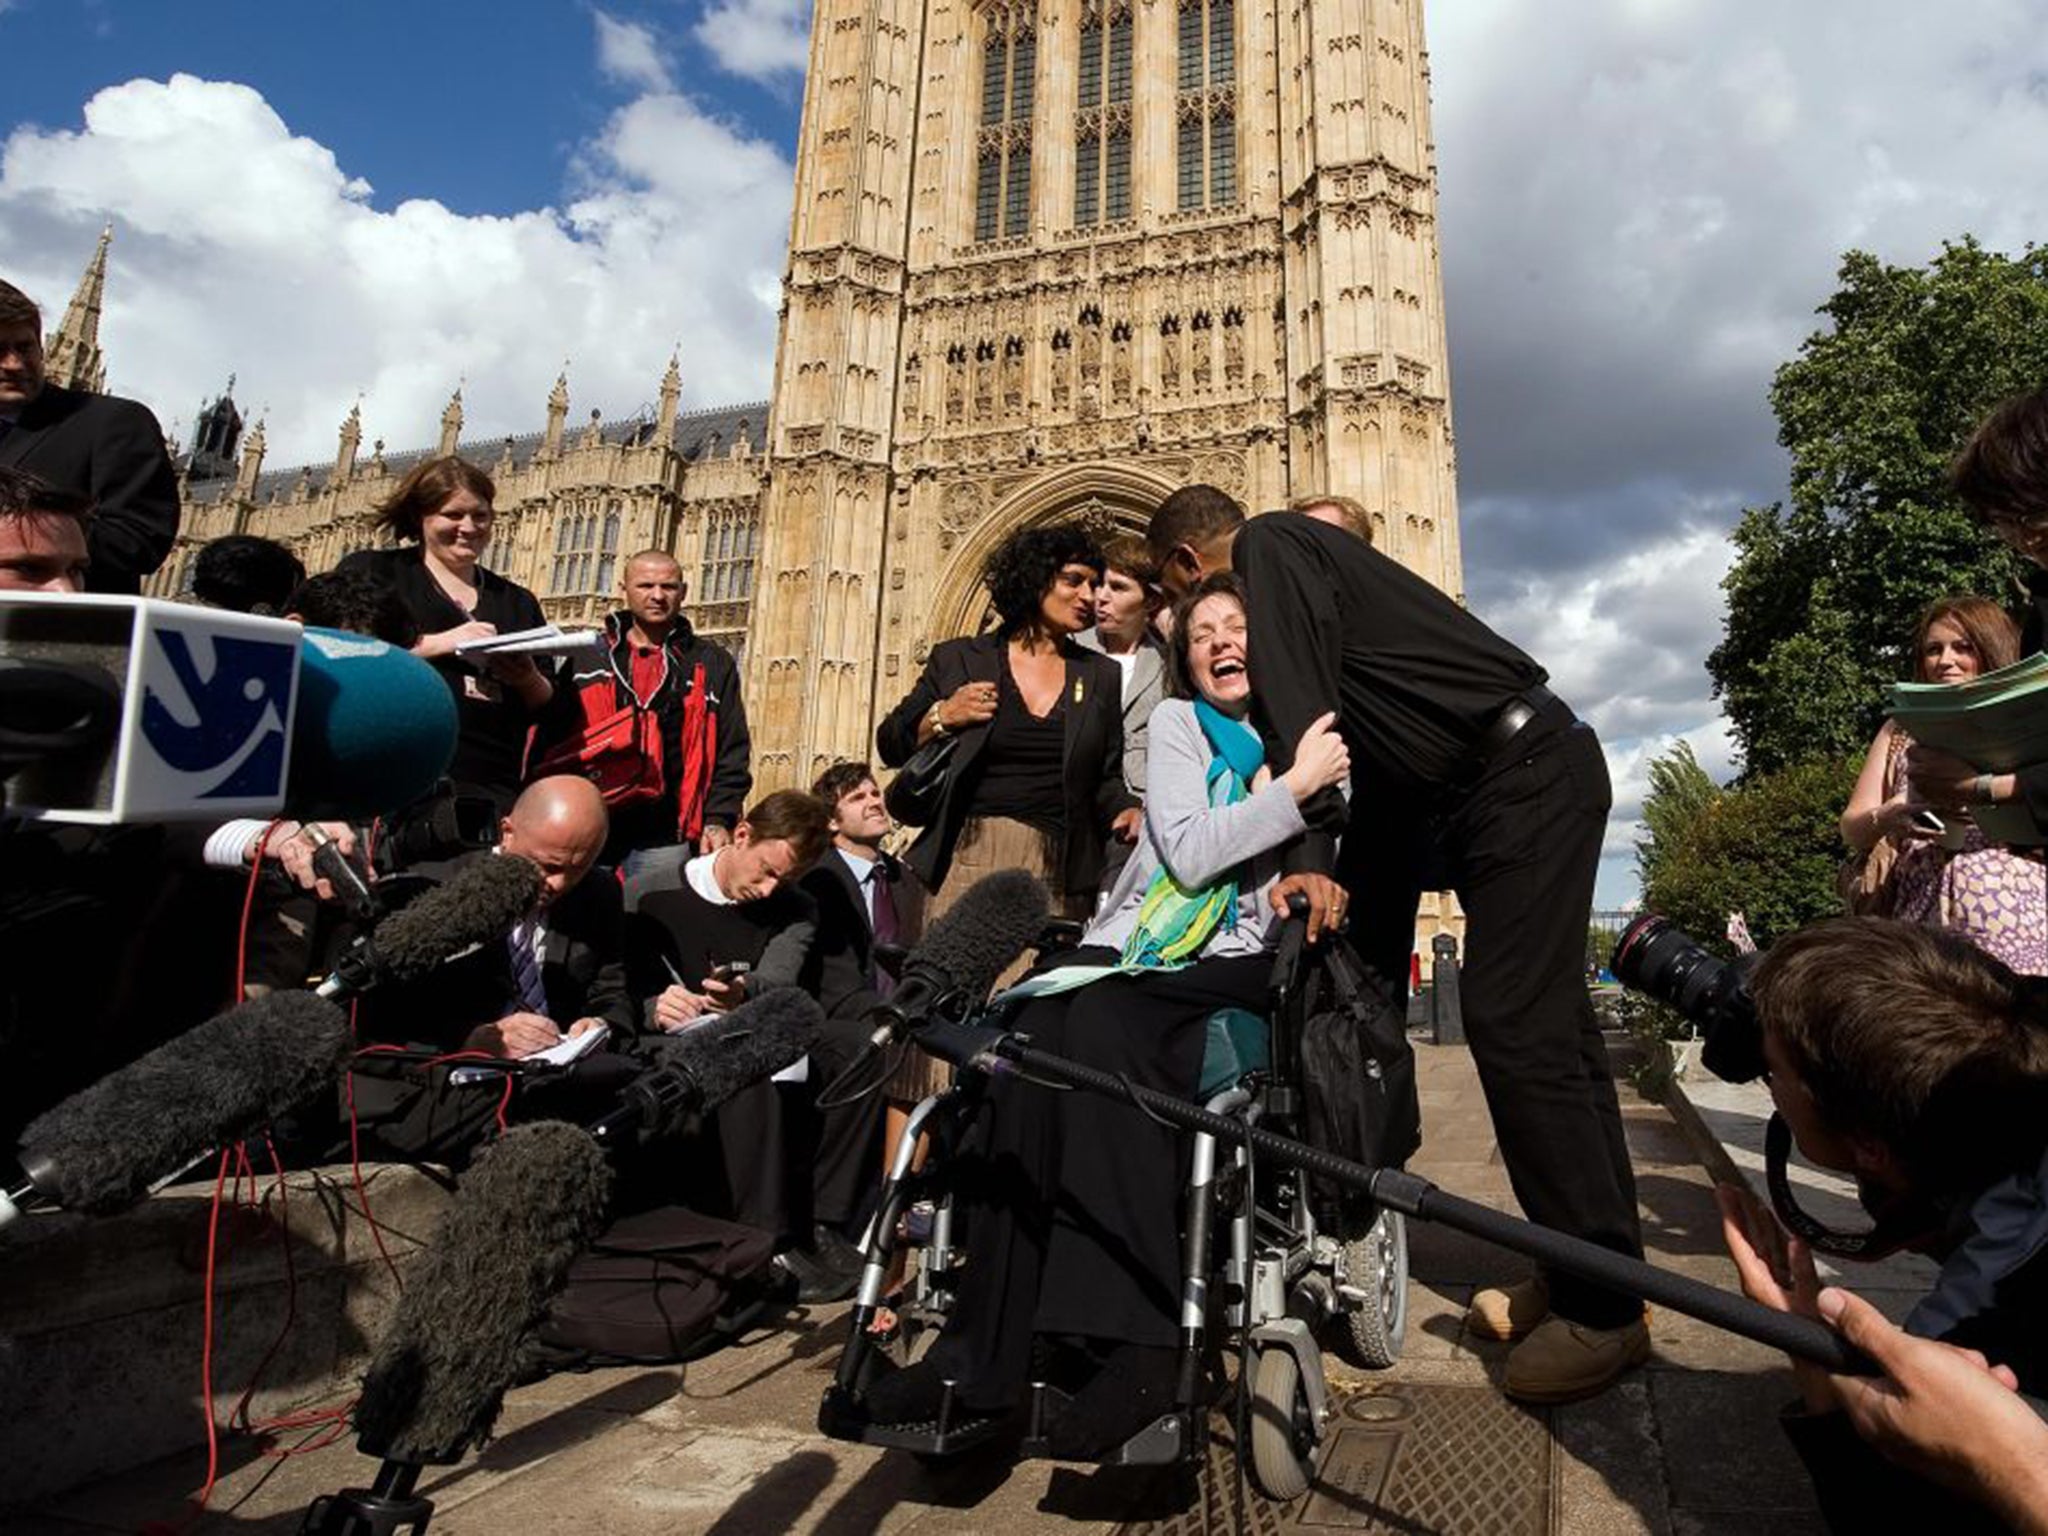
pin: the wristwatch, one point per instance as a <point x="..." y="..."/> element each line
<point x="938" y="725"/>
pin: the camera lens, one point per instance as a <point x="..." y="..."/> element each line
<point x="1663" y="962"/>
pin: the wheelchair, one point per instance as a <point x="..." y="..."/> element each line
<point x="1263" y="1275"/>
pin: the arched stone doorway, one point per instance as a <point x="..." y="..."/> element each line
<point x="1106" y="498"/>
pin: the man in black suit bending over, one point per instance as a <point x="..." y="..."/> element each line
<point x="105" y="449"/>
<point x="1464" y="763"/>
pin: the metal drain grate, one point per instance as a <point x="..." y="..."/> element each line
<point x="1452" y="1461"/>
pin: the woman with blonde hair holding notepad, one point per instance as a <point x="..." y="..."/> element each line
<point x="1921" y="863"/>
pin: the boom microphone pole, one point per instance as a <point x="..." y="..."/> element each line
<point x="984" y="1048"/>
<point x="528" y="1206"/>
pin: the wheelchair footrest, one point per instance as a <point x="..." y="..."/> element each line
<point x="1159" y="1444"/>
<point x="956" y="1429"/>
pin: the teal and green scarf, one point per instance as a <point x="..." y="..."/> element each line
<point x="1174" y="923"/>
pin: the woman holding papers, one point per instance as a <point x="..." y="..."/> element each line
<point x="441" y="514"/>
<point x="1911" y="868"/>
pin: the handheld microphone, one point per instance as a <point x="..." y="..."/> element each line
<point x="476" y="905"/>
<point x="339" y="870"/>
<point x="531" y="1202"/>
<point x="698" y="1070"/>
<point x="999" y="917"/>
<point x="106" y="1147"/>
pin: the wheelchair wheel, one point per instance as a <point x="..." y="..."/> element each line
<point x="1377" y="1264"/>
<point x="1283" y="1435"/>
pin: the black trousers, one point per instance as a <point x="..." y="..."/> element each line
<point x="1076" y="1198"/>
<point x="1521" y="848"/>
<point x="778" y="1162"/>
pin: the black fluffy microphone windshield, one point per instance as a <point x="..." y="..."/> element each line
<point x="1000" y="916"/>
<point x="476" y="905"/>
<point x="698" y="1070"/>
<point x="102" y="1149"/>
<point x="530" y="1203"/>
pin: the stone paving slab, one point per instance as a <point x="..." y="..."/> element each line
<point x="726" y="1446"/>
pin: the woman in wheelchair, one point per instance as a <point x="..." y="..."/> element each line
<point x="1073" y="1250"/>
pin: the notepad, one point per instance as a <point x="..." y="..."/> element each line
<point x="1996" y="722"/>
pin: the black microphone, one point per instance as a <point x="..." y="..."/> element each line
<point x="530" y="1203"/>
<point x="106" y="1147"/>
<point x="475" y="906"/>
<point x="351" y="889"/>
<point x="699" y="1069"/>
<point x="1000" y="916"/>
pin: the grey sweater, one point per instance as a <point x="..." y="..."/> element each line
<point x="1199" y="843"/>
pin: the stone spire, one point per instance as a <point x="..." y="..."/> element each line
<point x="671" y="393"/>
<point x="72" y="354"/>
<point x="451" y="424"/>
<point x="252" y="463"/>
<point x="558" y="413"/>
<point x="351" y="439"/>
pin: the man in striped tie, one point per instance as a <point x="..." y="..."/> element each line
<point x="559" y="823"/>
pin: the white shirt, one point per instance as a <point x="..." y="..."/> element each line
<point x="701" y="879"/>
<point x="865" y="871"/>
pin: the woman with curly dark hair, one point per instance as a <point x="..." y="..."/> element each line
<point x="1037" y="780"/>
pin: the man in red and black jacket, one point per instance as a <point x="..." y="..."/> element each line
<point x="656" y="663"/>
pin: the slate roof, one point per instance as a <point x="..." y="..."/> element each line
<point x="697" y="434"/>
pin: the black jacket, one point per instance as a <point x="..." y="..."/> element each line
<point x="412" y="1114"/>
<point x="583" y="970"/>
<point x="1094" y="760"/>
<point x="490" y="751"/>
<point x="841" y="970"/>
<point x="595" y="689"/>
<point x="110" y="451"/>
<point x="2033" y="778"/>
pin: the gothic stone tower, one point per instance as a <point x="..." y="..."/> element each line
<point x="1051" y="259"/>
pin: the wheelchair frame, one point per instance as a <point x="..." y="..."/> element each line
<point x="1279" y="1280"/>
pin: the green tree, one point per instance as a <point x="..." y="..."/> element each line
<point x="1679" y="790"/>
<point x="1768" y="847"/>
<point x="1824" y="590"/>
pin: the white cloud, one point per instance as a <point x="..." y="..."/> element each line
<point x="765" y="40"/>
<point x="241" y="247"/>
<point x="628" y="53"/>
<point x="1643" y="202"/>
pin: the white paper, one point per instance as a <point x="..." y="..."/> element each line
<point x="570" y="1047"/>
<point x="542" y="640"/>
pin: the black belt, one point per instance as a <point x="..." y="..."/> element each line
<point x="1501" y="731"/>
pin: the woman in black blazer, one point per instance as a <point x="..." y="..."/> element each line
<point x="1037" y="780"/>
<point x="442" y="511"/>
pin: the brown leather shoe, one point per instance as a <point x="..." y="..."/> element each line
<point x="1561" y="1361"/>
<point x="1508" y="1312"/>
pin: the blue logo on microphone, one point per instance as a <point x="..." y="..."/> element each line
<point x="228" y="728"/>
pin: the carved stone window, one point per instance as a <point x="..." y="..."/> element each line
<point x="1102" y="126"/>
<point x="731" y="537"/>
<point x="1205" y="109"/>
<point x="1009" y="63"/>
<point x="586" y="549"/>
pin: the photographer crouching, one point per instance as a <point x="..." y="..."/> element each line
<point x="1912" y="1061"/>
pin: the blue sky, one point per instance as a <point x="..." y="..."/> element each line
<point x="478" y="105"/>
<point x="1642" y="204"/>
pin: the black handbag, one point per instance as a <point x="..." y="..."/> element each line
<point x="913" y="796"/>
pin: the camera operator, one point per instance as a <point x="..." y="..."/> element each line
<point x="1910" y="1059"/>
